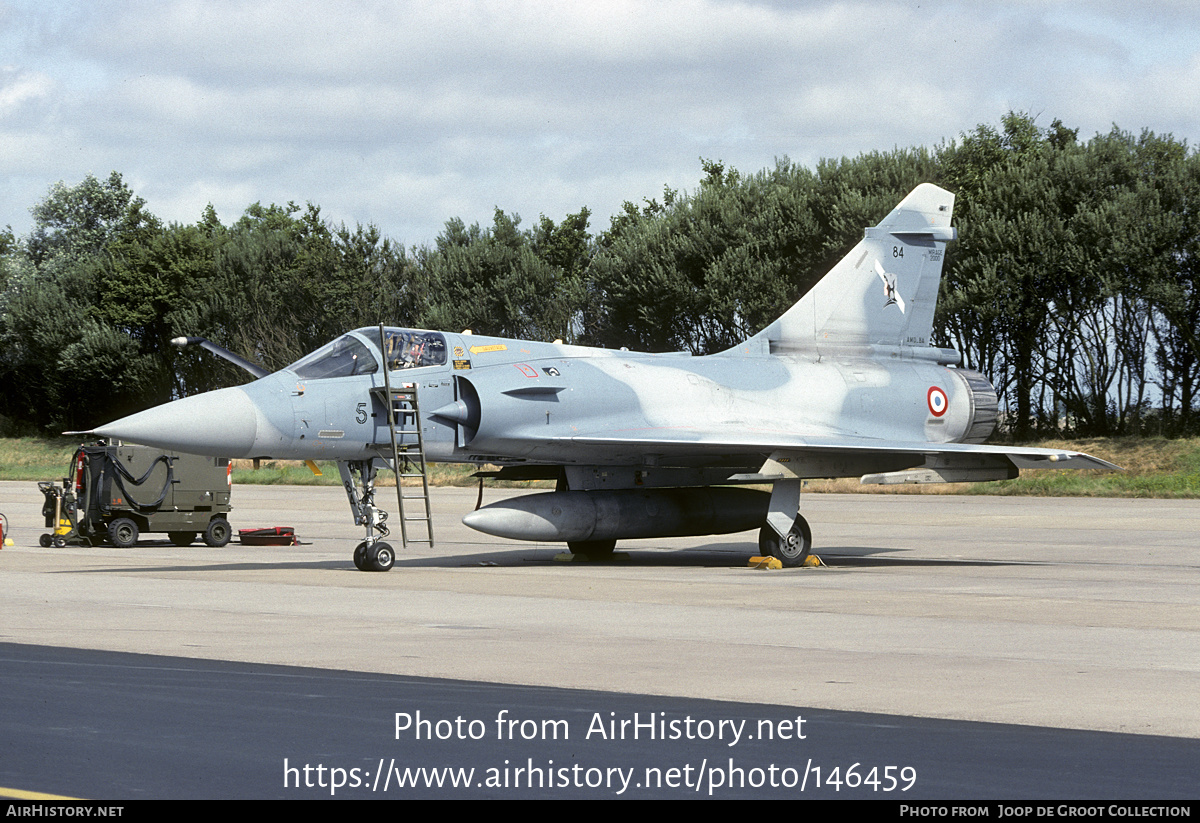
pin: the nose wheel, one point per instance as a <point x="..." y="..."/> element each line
<point x="376" y="557"/>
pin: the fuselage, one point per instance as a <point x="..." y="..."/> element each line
<point x="495" y="400"/>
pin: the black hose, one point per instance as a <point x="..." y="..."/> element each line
<point x="124" y="474"/>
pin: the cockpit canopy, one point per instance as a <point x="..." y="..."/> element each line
<point x="348" y="355"/>
<point x="408" y="349"/>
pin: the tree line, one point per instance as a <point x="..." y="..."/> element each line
<point x="1074" y="284"/>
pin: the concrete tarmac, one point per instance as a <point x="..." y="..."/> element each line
<point x="1068" y="613"/>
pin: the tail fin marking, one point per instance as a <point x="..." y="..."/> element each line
<point x="883" y="293"/>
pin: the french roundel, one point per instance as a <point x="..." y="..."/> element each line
<point x="937" y="401"/>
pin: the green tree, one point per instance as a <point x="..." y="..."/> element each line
<point x="72" y="368"/>
<point x="1072" y="267"/>
<point x="79" y="221"/>
<point x="1016" y="260"/>
<point x="712" y="267"/>
<point x="504" y="281"/>
<point x="287" y="282"/>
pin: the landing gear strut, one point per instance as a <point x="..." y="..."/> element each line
<point x="786" y="535"/>
<point x="372" y="554"/>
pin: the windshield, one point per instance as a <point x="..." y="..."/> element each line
<point x="343" y="357"/>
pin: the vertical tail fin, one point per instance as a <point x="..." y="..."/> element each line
<point x="884" y="291"/>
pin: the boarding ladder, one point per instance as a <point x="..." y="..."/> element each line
<point x="408" y="459"/>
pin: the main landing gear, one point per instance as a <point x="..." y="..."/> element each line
<point x="791" y="549"/>
<point x="372" y="554"/>
<point x="786" y="535"/>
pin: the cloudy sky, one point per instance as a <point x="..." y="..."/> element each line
<point x="407" y="113"/>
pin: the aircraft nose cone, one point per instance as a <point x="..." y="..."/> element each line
<point x="220" y="423"/>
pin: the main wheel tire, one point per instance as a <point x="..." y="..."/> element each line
<point x="381" y="557"/>
<point x="122" y="532"/>
<point x="592" y="549"/>
<point x="182" y="538"/>
<point x="360" y="557"/>
<point x="45" y="540"/>
<point x="218" y="533"/>
<point x="790" y="551"/>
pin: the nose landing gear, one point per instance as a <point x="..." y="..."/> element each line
<point x="372" y="554"/>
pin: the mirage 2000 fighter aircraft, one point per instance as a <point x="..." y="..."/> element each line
<point x="844" y="384"/>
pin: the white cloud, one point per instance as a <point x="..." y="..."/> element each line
<point x="19" y="88"/>
<point x="407" y="114"/>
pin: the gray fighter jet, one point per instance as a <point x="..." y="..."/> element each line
<point x="844" y="384"/>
